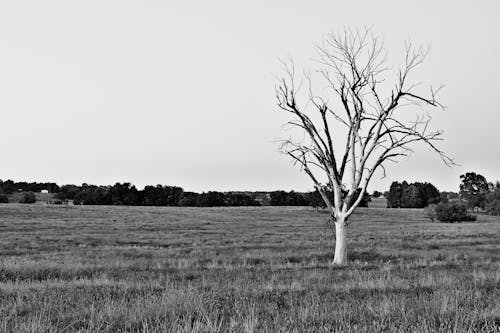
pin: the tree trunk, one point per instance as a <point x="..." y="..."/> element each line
<point x="340" y="243"/>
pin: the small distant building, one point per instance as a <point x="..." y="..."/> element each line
<point x="44" y="191"/>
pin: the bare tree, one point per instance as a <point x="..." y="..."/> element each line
<point x="349" y="129"/>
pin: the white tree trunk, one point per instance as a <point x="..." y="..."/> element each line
<point x="340" y="243"/>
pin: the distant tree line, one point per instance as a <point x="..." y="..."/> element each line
<point x="315" y="199"/>
<point x="475" y="193"/>
<point x="292" y="198"/>
<point x="127" y="194"/>
<point x="9" y="187"/>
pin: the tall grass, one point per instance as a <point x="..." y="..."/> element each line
<point x="136" y="269"/>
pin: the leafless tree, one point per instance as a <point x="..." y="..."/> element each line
<point x="350" y="130"/>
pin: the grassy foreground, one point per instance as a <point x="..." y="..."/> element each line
<point x="147" y="269"/>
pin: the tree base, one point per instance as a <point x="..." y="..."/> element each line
<point x="337" y="264"/>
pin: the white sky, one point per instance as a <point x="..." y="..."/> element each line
<point x="182" y="92"/>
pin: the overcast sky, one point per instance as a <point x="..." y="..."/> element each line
<point x="182" y="92"/>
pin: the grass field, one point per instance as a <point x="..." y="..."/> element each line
<point x="265" y="269"/>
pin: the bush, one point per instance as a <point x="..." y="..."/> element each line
<point x="430" y="212"/>
<point x="493" y="207"/>
<point x="3" y="198"/>
<point x="28" y="198"/>
<point x="453" y="212"/>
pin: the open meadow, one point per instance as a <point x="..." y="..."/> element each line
<point x="259" y="269"/>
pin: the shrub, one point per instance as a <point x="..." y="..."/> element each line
<point x="493" y="207"/>
<point x="28" y="198"/>
<point x="453" y="212"/>
<point x="3" y="198"/>
<point x="430" y="212"/>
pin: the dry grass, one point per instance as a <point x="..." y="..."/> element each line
<point x="146" y="269"/>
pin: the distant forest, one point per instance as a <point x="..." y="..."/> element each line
<point x="159" y="195"/>
<point x="400" y="195"/>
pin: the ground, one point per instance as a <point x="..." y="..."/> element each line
<point x="264" y="269"/>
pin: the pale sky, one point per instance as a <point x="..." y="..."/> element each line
<point x="182" y="92"/>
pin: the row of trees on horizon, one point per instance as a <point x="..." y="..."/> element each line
<point x="475" y="192"/>
<point x="160" y="195"/>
